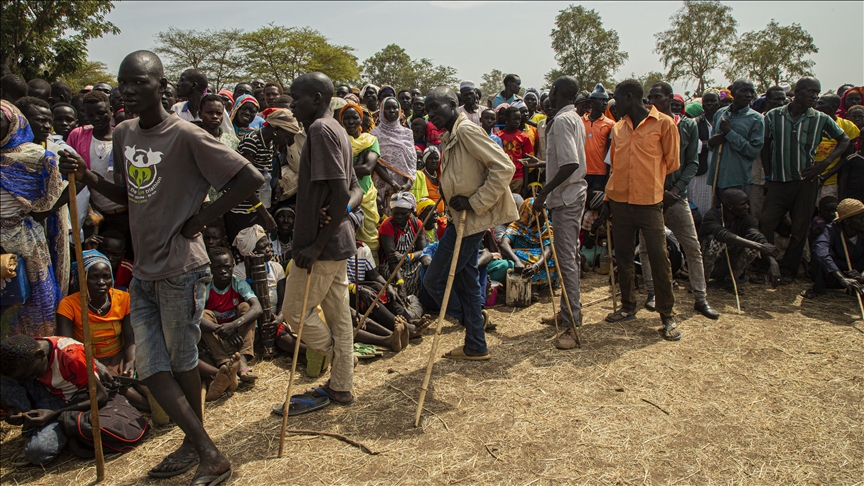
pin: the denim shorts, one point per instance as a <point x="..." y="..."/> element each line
<point x="166" y="317"/>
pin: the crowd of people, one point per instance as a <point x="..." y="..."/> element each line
<point x="213" y="223"/>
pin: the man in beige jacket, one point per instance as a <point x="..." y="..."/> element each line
<point x="475" y="177"/>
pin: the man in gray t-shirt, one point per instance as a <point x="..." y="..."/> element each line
<point x="326" y="181"/>
<point x="163" y="169"/>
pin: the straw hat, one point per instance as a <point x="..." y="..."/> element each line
<point x="848" y="208"/>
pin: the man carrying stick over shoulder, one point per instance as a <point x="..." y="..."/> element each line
<point x="565" y="194"/>
<point x="475" y="178"/>
<point x="164" y="167"/>
<point x="326" y="181"/>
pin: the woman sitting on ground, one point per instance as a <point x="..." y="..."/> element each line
<point x="525" y="247"/>
<point x="396" y="235"/>
<point x="108" y="312"/>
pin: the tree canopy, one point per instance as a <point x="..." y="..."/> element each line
<point x="583" y="48"/>
<point x="771" y="55"/>
<point x="701" y="36"/>
<point x="392" y="65"/>
<point x="48" y="38"/>
<point x="89" y="74"/>
<point x="213" y="52"/>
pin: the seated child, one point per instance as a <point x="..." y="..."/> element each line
<point x="228" y="323"/>
<point x="214" y="235"/>
<point x="108" y="311"/>
<point x="43" y="382"/>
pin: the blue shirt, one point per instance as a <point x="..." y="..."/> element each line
<point x="500" y="99"/>
<point x="496" y="139"/>
<point x="742" y="146"/>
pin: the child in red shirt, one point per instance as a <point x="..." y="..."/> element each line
<point x="516" y="145"/>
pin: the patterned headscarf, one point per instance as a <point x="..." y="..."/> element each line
<point x="680" y="99"/>
<point x="228" y="95"/>
<point x="842" y="112"/>
<point x="404" y="200"/>
<point x="526" y="226"/>
<point x="242" y="131"/>
<point x="283" y="118"/>
<point x="397" y="145"/>
<point x="92" y="257"/>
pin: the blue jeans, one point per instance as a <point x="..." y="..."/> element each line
<point x="44" y="443"/>
<point x="466" y="301"/>
<point x="166" y="317"/>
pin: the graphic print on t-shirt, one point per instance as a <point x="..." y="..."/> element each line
<point x="141" y="173"/>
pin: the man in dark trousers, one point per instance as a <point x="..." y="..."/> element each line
<point x="164" y="167"/>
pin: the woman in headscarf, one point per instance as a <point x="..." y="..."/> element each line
<point x="30" y="182"/>
<point x="254" y="241"/>
<point x="677" y="105"/>
<point x="397" y="166"/>
<point x="431" y="163"/>
<point x="282" y="240"/>
<point x="245" y="117"/>
<point x="369" y="96"/>
<point x="364" y="146"/>
<point x="522" y="245"/>
<point x="851" y="97"/>
<point x="110" y="327"/>
<point x="227" y="100"/>
<point x="396" y="234"/>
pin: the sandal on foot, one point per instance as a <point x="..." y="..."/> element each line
<point x="211" y="480"/>
<point x="301" y="404"/>
<point x="670" y="331"/>
<point x="187" y="463"/>
<point x="321" y="391"/>
<point x="488" y="325"/>
<point x="621" y="315"/>
<point x="810" y="294"/>
<point x="459" y="353"/>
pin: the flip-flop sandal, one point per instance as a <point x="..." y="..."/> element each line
<point x="301" y="404"/>
<point x="621" y="316"/>
<point x="189" y="463"/>
<point x="365" y="351"/>
<point x="211" y="480"/>
<point x="664" y="333"/>
<point x="322" y="392"/>
<point x="459" y="353"/>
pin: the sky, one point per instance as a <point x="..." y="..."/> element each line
<point x="476" y="37"/>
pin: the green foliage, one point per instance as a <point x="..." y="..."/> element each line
<point x="88" y="74"/>
<point x="647" y="80"/>
<point x="281" y="54"/>
<point x="771" y="55"/>
<point x="583" y="48"/>
<point x="392" y="65"/>
<point x="213" y="52"/>
<point x="50" y="36"/>
<point x="701" y="36"/>
<point x="492" y="83"/>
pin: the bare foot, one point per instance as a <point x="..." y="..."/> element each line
<point x="233" y="368"/>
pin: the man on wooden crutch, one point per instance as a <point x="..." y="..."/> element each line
<point x="475" y="177"/>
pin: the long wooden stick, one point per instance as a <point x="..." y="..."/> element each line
<point x="88" y="338"/>
<point x="395" y="270"/>
<point x="564" y="289"/>
<point x="726" y="247"/>
<point x="849" y="264"/>
<point x="611" y="266"/>
<point x="287" y="405"/>
<point x="446" y="300"/>
<point x="548" y="275"/>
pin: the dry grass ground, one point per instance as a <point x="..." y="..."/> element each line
<point x="770" y="397"/>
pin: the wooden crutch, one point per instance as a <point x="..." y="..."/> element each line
<point x="287" y="405"/>
<point x="446" y="300"/>
<point x="723" y="222"/>
<point x="563" y="287"/>
<point x="88" y="338"/>
<point x="549" y="275"/>
<point x="849" y="264"/>
<point x="393" y="273"/>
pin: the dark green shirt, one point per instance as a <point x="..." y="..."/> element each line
<point x="689" y="156"/>
<point x="742" y="146"/>
<point x="794" y="143"/>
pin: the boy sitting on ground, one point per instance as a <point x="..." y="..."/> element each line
<point x="228" y="323"/>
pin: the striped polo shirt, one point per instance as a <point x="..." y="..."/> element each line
<point x="794" y="143"/>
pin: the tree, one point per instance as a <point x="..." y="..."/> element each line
<point x="213" y="52"/>
<point x="583" y="48"/>
<point x="48" y="38"/>
<point x="281" y="54"/>
<point x="392" y="65"/>
<point x="701" y="36"/>
<point x="647" y="80"/>
<point x="493" y="83"/>
<point x="88" y="74"/>
<point x="772" y="55"/>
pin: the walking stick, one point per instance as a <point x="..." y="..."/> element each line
<point x="88" y="338"/>
<point x="287" y="405"/>
<point x="611" y="267"/>
<point x="849" y="264"/>
<point x="393" y="273"/>
<point x="548" y="275"/>
<point x="446" y="300"/>
<point x="563" y="288"/>
<point x="723" y="222"/>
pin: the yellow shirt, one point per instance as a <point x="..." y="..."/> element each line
<point x="827" y="146"/>
<point x="642" y="158"/>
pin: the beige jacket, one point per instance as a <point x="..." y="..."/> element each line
<point x="475" y="166"/>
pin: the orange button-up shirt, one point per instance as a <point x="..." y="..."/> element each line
<point x="642" y="158"/>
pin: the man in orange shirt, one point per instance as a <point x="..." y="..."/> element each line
<point x="645" y="149"/>
<point x="598" y="128"/>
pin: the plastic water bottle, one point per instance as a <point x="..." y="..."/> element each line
<point x="265" y="193"/>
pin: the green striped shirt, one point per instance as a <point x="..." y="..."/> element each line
<point x="794" y="143"/>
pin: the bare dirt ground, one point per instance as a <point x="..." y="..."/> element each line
<point x="773" y="396"/>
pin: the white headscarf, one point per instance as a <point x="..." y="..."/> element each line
<point x="247" y="239"/>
